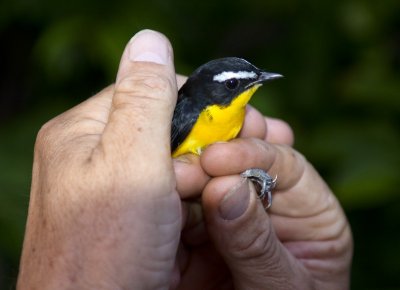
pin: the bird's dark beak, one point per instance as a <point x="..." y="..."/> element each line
<point x="264" y="77"/>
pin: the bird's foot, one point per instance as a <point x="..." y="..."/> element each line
<point x="263" y="182"/>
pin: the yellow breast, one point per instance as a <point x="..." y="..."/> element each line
<point x="216" y="123"/>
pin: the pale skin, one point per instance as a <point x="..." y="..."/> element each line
<point x="110" y="209"/>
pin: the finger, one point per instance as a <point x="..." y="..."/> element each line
<point x="269" y="129"/>
<point x="236" y="156"/>
<point x="190" y="176"/>
<point x="243" y="234"/>
<point x="254" y="124"/>
<point x="299" y="195"/>
<point x="317" y="225"/>
<point x="278" y="132"/>
<point x="298" y="188"/>
<point x="143" y="102"/>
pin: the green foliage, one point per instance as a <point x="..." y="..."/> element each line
<point x="340" y="93"/>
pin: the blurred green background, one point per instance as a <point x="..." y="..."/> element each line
<point x="341" y="93"/>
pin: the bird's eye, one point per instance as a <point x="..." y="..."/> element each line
<point x="232" y="84"/>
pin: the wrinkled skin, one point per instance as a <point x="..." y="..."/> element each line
<point x="110" y="209"/>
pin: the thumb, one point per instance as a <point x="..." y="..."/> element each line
<point x="143" y="102"/>
<point x="243" y="234"/>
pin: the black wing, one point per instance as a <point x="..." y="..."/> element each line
<point x="185" y="116"/>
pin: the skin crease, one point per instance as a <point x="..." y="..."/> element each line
<point x="109" y="209"/>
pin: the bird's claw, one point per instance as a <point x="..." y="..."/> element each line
<point x="263" y="181"/>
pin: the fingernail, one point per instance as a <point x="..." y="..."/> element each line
<point x="151" y="46"/>
<point x="183" y="159"/>
<point x="235" y="203"/>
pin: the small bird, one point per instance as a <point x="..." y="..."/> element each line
<point x="211" y="107"/>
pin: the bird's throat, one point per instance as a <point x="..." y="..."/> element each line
<point x="241" y="100"/>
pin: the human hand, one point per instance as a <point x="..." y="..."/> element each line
<point x="103" y="188"/>
<point x="104" y="212"/>
<point x="302" y="242"/>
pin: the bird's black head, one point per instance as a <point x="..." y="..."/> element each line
<point x="221" y="80"/>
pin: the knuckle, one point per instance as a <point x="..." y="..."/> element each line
<point x="147" y="85"/>
<point x="43" y="145"/>
<point x="144" y="93"/>
<point x="51" y="135"/>
<point x="157" y="82"/>
<point x="261" y="146"/>
<point x="260" y="245"/>
<point x="44" y="135"/>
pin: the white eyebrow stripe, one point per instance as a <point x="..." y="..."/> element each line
<point x="226" y="75"/>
